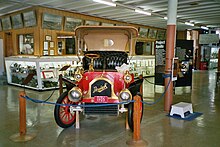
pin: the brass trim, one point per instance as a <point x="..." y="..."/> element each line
<point x="77" y="89"/>
<point x="125" y="75"/>
<point x="88" y="95"/>
<point x="78" y="72"/>
<point x="125" y="90"/>
<point x="92" y="57"/>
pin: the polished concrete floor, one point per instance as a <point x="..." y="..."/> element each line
<point x="108" y="131"/>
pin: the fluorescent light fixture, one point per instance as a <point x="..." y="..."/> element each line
<point x="188" y="23"/>
<point x="204" y="27"/>
<point x="105" y="2"/>
<point x="165" y="18"/>
<point x="142" y="12"/>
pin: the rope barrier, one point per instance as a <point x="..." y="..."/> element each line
<point x="159" y="97"/>
<point x="74" y="105"/>
<point x="165" y="76"/>
<point x="99" y="105"/>
<point x="148" y="81"/>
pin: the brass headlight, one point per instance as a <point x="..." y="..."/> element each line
<point x="125" y="95"/>
<point x="78" y="74"/>
<point x="78" y="77"/>
<point x="127" y="77"/>
<point x="75" y="94"/>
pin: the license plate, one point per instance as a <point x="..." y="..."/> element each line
<point x="100" y="99"/>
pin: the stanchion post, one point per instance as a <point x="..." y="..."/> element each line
<point x="136" y="140"/>
<point x="22" y="113"/>
<point x="137" y="118"/>
<point x="60" y="84"/>
<point x="22" y="136"/>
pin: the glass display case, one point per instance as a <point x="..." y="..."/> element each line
<point x="213" y="63"/>
<point x="45" y="69"/>
<point x="144" y="65"/>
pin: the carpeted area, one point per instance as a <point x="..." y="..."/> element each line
<point x="188" y="117"/>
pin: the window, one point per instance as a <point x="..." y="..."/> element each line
<point x="144" y="48"/>
<point x="66" y="45"/>
<point x="26" y="44"/>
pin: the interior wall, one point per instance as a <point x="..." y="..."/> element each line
<point x="2" y="69"/>
<point x="11" y="49"/>
<point x="181" y="35"/>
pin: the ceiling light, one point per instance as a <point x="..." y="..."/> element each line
<point x="142" y="12"/>
<point x="105" y="2"/>
<point x="188" y="23"/>
<point x="204" y="27"/>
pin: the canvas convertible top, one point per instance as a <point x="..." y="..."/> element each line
<point x="107" y="38"/>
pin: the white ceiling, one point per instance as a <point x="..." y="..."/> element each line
<point x="200" y="12"/>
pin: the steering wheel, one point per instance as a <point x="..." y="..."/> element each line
<point x="92" y="57"/>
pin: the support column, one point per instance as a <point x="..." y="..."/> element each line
<point x="170" y="45"/>
<point x="219" y="60"/>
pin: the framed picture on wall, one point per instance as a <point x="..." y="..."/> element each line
<point x="51" y="52"/>
<point x="143" y="32"/>
<point x="29" y="19"/>
<point x="0" y="25"/>
<point x="17" y="22"/>
<point x="52" y="22"/>
<point x="6" y="23"/>
<point x="46" y="45"/>
<point x="45" y="53"/>
<point x="107" y="24"/>
<point x="51" y="44"/>
<point x="161" y="35"/>
<point x="48" y="38"/>
<point x="152" y="33"/>
<point x="71" y="23"/>
<point x="92" y="23"/>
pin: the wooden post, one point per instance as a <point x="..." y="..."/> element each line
<point x="60" y="84"/>
<point x="137" y="118"/>
<point x="137" y="141"/>
<point x="22" y="136"/>
<point x="22" y="113"/>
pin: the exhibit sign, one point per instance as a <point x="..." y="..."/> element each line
<point x="160" y="59"/>
<point x="184" y="54"/>
<point x="208" y="38"/>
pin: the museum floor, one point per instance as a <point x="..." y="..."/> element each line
<point x="108" y="131"/>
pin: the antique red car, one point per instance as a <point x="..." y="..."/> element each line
<point x="103" y="84"/>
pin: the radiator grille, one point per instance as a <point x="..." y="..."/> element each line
<point x="103" y="110"/>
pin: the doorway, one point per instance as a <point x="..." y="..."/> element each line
<point x="8" y="45"/>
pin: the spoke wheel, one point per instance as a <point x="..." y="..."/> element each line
<point x="130" y="114"/>
<point x="62" y="114"/>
